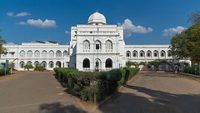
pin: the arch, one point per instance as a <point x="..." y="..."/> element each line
<point x="142" y="54"/>
<point x="51" y="64"/>
<point x="65" y="53"/>
<point x="21" y="64"/>
<point x="109" y="63"/>
<point x="155" y="53"/>
<point x="149" y="53"/>
<point x="58" y="53"/>
<point x="44" y="54"/>
<point x="44" y="64"/>
<point x="29" y="63"/>
<point x="86" y="45"/>
<point x="51" y="54"/>
<point x="22" y="53"/>
<point x="97" y="64"/>
<point x="135" y="53"/>
<point x="128" y="54"/>
<point x="109" y="44"/>
<point x="169" y="53"/>
<point x="86" y="63"/>
<point x="37" y="53"/>
<point x="162" y="53"/>
<point x="97" y="44"/>
<point x="36" y="63"/>
<point x="29" y="53"/>
<point x="58" y="64"/>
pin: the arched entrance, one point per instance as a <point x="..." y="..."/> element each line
<point x="58" y="64"/>
<point x="109" y="63"/>
<point x="97" y="65"/>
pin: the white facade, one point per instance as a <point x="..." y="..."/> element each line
<point x="93" y="46"/>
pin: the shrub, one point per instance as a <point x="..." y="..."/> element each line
<point x="2" y="72"/>
<point x="94" y="86"/>
<point x="28" y="66"/>
<point x="39" y="68"/>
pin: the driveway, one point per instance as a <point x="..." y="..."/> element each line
<point x="35" y="92"/>
<point x="156" y="93"/>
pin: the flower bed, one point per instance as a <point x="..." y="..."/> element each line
<point x="94" y="86"/>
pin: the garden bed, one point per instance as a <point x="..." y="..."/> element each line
<point x="94" y="86"/>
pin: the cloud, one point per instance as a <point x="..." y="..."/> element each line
<point x="22" y="23"/>
<point x="173" y="30"/>
<point x="67" y="32"/>
<point x="21" y="14"/>
<point x="40" y="23"/>
<point x="130" y="28"/>
<point x="10" y="14"/>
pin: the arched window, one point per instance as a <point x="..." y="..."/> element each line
<point x="65" y="53"/>
<point x="51" y="54"/>
<point x="109" y="44"/>
<point x="29" y="63"/>
<point x="37" y="54"/>
<point x="135" y="53"/>
<point x="97" y="45"/>
<point x="58" y="53"/>
<point x="128" y="54"/>
<point x="155" y="53"/>
<point x="29" y="53"/>
<point x="97" y="64"/>
<point x="44" y="54"/>
<point x="21" y="64"/>
<point x="149" y="53"/>
<point x="86" y="63"/>
<point x="86" y="45"/>
<point x="22" y="53"/>
<point x="169" y="53"/>
<point x="162" y="53"/>
<point x="44" y="64"/>
<point x="58" y="64"/>
<point x="36" y="63"/>
<point x="142" y="54"/>
<point x="108" y="63"/>
<point x="51" y="64"/>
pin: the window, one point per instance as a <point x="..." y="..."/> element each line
<point x="29" y="53"/>
<point x="44" y="64"/>
<point x="29" y="63"/>
<point x="149" y="53"/>
<point x="51" y="54"/>
<point x="108" y="63"/>
<point x="65" y="54"/>
<point x="58" y="64"/>
<point x="155" y="53"/>
<point x="86" y="63"/>
<point x="21" y="64"/>
<point x="37" y="53"/>
<point x="135" y="53"/>
<point x="97" y="45"/>
<point x="44" y="54"/>
<point x="22" y="53"/>
<point x="128" y="54"/>
<point x="142" y="53"/>
<point x="36" y="63"/>
<point x="86" y="45"/>
<point x="109" y="44"/>
<point x="58" y="53"/>
<point x="163" y="53"/>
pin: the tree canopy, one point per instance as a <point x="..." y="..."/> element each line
<point x="187" y="44"/>
<point x="2" y="49"/>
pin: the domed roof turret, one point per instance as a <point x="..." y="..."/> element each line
<point x="97" y="18"/>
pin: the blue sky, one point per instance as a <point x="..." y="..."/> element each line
<point x="144" y="21"/>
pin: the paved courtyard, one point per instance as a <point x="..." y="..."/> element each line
<point x="39" y="92"/>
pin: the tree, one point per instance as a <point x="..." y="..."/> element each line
<point x="195" y="17"/>
<point x="2" y="49"/>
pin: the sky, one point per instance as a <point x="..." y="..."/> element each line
<point x="143" y="21"/>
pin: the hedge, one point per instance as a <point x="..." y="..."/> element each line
<point x="94" y="86"/>
<point x="39" y="68"/>
<point x="2" y="72"/>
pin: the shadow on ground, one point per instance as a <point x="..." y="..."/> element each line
<point x="160" y="102"/>
<point x="57" y="107"/>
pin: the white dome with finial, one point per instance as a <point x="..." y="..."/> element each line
<point x="97" y="18"/>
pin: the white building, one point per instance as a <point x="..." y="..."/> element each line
<point x="93" y="46"/>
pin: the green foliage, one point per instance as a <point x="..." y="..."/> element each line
<point x="39" y="68"/>
<point x="2" y="49"/>
<point x="94" y="86"/>
<point x="129" y="64"/>
<point x="2" y="72"/>
<point x="28" y="66"/>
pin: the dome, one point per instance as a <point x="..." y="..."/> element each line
<point x="97" y="18"/>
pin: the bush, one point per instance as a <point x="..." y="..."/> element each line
<point x="2" y="72"/>
<point x="39" y="68"/>
<point x="28" y="66"/>
<point x="94" y="86"/>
